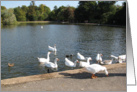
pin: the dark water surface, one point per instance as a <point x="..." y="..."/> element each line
<point x="22" y="45"/>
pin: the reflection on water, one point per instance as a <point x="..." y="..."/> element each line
<point x="24" y="43"/>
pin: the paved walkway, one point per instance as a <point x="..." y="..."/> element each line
<point x="71" y="80"/>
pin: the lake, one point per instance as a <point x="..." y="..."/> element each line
<point x="22" y="45"/>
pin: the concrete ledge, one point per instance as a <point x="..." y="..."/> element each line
<point x="25" y="79"/>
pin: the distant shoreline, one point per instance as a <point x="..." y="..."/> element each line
<point x="56" y="22"/>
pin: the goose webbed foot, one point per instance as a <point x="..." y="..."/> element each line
<point x="93" y="76"/>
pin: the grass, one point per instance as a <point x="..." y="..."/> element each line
<point x="36" y="22"/>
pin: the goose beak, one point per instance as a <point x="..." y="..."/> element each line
<point x="77" y="61"/>
<point x="107" y="75"/>
<point x="101" y="54"/>
<point x="58" y="60"/>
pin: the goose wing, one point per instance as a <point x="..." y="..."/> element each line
<point x="81" y="57"/>
<point x="51" y="48"/>
<point x="68" y="62"/>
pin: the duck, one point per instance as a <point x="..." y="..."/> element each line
<point x="10" y="65"/>
<point x="95" y="68"/>
<point x="83" y="64"/>
<point x="106" y="62"/>
<point x="80" y="57"/>
<point x="70" y="63"/>
<point x="99" y="58"/>
<point x="53" y="49"/>
<point x="52" y="65"/>
<point x="44" y="60"/>
<point x="69" y="55"/>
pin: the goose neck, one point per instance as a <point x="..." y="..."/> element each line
<point x="75" y="63"/>
<point x="88" y="60"/>
<point x="106" y="72"/>
<point x="55" y="61"/>
<point x="48" y="55"/>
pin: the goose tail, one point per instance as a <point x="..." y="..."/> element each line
<point x="114" y="56"/>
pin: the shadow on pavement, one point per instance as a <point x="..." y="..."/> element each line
<point x="86" y="75"/>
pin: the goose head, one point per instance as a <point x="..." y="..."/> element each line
<point x="57" y="59"/>
<point x="101" y="54"/>
<point x="77" y="61"/>
<point x="89" y="58"/>
<point x="49" y="52"/>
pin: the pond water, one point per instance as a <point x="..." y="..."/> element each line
<point x="22" y="45"/>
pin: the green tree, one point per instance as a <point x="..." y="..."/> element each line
<point x="85" y="11"/>
<point x="8" y="17"/>
<point x="20" y="14"/>
<point x="69" y="14"/>
<point x="53" y="14"/>
<point x="25" y="10"/>
<point x="2" y="10"/>
<point x="60" y="13"/>
<point x="120" y="16"/>
<point x="31" y="15"/>
<point x="43" y="12"/>
<point x="105" y="10"/>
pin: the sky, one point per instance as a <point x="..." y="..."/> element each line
<point x="50" y="4"/>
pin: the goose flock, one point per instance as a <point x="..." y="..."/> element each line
<point x="82" y="60"/>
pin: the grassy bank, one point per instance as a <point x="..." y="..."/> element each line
<point x="56" y="22"/>
<point x="48" y="22"/>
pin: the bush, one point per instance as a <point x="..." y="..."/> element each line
<point x="8" y="17"/>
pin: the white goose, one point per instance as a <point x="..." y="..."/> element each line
<point x="80" y="57"/>
<point x="70" y="63"/>
<point x="44" y="60"/>
<point x="83" y="64"/>
<point x="99" y="58"/>
<point x="106" y="62"/>
<point x="52" y="65"/>
<point x="120" y="58"/>
<point x="52" y="48"/>
<point x="113" y="56"/>
<point x="95" y="68"/>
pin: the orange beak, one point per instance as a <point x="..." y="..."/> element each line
<point x="107" y="75"/>
<point x="58" y="60"/>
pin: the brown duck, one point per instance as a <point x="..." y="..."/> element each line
<point x="10" y="65"/>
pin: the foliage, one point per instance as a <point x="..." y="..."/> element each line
<point x="120" y="16"/>
<point x="20" y="14"/>
<point x="8" y="17"/>
<point x="3" y="8"/>
<point x="85" y="11"/>
<point x="102" y="12"/>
